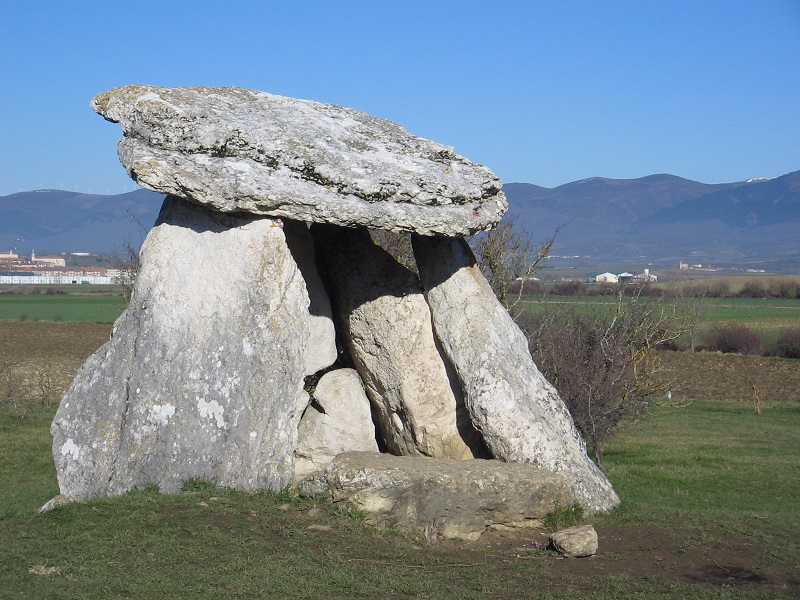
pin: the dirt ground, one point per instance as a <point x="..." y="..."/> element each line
<point x="732" y="377"/>
<point x="40" y="359"/>
<point x="63" y="347"/>
<point x="641" y="552"/>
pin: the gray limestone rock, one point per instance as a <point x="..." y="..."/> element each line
<point x="321" y="347"/>
<point x="451" y="498"/>
<point x="241" y="150"/>
<point x="387" y="325"/>
<point x="575" y="542"/>
<point x="202" y="374"/>
<point x="519" y="414"/>
<point x="339" y="420"/>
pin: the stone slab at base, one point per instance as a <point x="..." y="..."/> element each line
<point x="455" y="498"/>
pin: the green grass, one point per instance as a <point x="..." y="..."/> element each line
<point x="767" y="316"/>
<point x="711" y="469"/>
<point x="713" y="464"/>
<point x="61" y="307"/>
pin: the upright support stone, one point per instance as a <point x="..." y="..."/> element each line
<point x="520" y="415"/>
<point x="339" y="420"/>
<point x="321" y="346"/>
<point x="387" y="326"/>
<point x="202" y="374"/>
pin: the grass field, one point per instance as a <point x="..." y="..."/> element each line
<point x="767" y="316"/>
<point x="710" y="507"/>
<point x="92" y="308"/>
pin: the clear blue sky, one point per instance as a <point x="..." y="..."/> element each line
<point x="541" y="92"/>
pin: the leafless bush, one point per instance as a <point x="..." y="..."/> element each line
<point x="570" y="288"/>
<point x="530" y="287"/>
<point x="10" y="392"/>
<point x="603" y="363"/>
<point x="788" y="343"/>
<point x="127" y="262"/>
<point x="45" y="384"/>
<point x="507" y="253"/>
<point x="735" y="338"/>
<point x="784" y="288"/>
<point x="753" y="289"/>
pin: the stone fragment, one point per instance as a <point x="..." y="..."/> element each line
<point x="321" y="347"/>
<point x="519" y="414"/>
<point x="575" y="542"/>
<point x="387" y="326"/>
<point x="339" y="420"/>
<point x="57" y="502"/>
<point x="241" y="150"/>
<point x="201" y="375"/>
<point x="455" y="499"/>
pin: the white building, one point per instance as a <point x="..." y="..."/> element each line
<point x="607" y="278"/>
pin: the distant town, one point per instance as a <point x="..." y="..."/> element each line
<point x="67" y="268"/>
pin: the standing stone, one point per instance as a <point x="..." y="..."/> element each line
<point x="339" y="420"/>
<point x="202" y="374"/>
<point x="242" y="150"/>
<point x="387" y="324"/>
<point x="520" y="415"/>
<point x="321" y="348"/>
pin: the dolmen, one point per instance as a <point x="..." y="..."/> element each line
<point x="270" y="343"/>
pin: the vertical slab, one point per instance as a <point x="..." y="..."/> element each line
<point x="387" y="327"/>
<point x="519" y="414"/>
<point x="339" y="420"/>
<point x="202" y="374"/>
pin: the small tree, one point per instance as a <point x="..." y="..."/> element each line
<point x="507" y="253"/>
<point x="127" y="262"/>
<point x="602" y="360"/>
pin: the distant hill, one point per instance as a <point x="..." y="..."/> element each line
<point x="664" y="218"/>
<point x="659" y="219"/>
<point x="54" y="221"/>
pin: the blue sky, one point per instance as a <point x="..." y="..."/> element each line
<point x="541" y="92"/>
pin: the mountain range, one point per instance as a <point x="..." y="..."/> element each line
<point x="658" y="220"/>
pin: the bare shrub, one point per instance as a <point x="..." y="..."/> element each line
<point x="45" y="384"/>
<point x="128" y="261"/>
<point x="10" y="392"/>
<point x="785" y="289"/>
<point x="530" y="287"/>
<point x="507" y="253"/>
<point x="570" y="288"/>
<point x="735" y="338"/>
<point x="603" y="362"/>
<point x="753" y="289"/>
<point x="788" y="343"/>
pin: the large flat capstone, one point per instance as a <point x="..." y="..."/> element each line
<point x="241" y="150"/>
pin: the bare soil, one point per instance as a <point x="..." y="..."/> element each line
<point x="40" y="359"/>
<point x="651" y="552"/>
<point x="732" y="377"/>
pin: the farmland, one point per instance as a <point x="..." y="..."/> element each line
<point x="92" y="308"/>
<point x="710" y="503"/>
<point x="767" y="316"/>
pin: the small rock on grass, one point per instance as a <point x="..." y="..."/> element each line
<point x="575" y="542"/>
